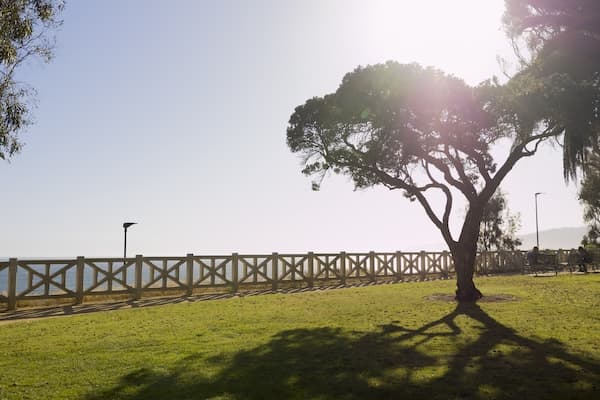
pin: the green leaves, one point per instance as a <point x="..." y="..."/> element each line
<point x="498" y="226"/>
<point x="386" y="118"/>
<point x="589" y="195"/>
<point x="563" y="38"/>
<point x="25" y="27"/>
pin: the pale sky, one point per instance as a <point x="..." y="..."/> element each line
<point x="174" y="114"/>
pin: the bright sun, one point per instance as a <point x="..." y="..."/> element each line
<point x="462" y="37"/>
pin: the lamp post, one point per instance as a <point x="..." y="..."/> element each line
<point x="125" y="226"/>
<point x="537" y="232"/>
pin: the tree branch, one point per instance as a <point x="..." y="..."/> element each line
<point x="469" y="190"/>
<point x="442" y="225"/>
<point x="443" y="168"/>
<point x="449" y="201"/>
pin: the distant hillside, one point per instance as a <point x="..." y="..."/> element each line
<point x="560" y="238"/>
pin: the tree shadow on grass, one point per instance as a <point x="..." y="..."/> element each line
<point x="327" y="363"/>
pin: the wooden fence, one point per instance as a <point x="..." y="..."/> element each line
<point x="45" y="282"/>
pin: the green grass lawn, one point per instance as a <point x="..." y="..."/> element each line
<point x="377" y="342"/>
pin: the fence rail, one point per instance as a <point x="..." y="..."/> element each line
<point x="26" y="282"/>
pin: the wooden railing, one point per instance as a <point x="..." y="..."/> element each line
<point x="35" y="282"/>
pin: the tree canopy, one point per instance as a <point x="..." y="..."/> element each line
<point x="387" y="117"/>
<point x="498" y="226"/>
<point x="562" y="38"/>
<point x="425" y="133"/>
<point x="25" y="32"/>
<point x="589" y="195"/>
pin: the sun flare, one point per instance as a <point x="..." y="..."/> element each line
<point x="447" y="35"/>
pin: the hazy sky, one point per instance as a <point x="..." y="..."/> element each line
<point x="173" y="114"/>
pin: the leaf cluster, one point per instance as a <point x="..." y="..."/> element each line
<point x="549" y="25"/>
<point x="25" y="27"/>
<point x="589" y="196"/>
<point x="498" y="226"/>
<point x="387" y="120"/>
<point x="563" y="40"/>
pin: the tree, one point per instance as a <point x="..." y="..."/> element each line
<point x="589" y="195"/>
<point x="562" y="38"/>
<point x="426" y="134"/>
<point x="498" y="225"/>
<point x="555" y="28"/>
<point x="25" y="27"/>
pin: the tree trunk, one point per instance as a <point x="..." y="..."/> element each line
<point x="464" y="265"/>
<point x="464" y="253"/>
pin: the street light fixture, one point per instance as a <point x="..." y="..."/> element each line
<point x="537" y="232"/>
<point x="125" y="226"/>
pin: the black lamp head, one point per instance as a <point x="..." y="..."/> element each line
<point x="128" y="224"/>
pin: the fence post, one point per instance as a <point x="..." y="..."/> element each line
<point x="423" y="257"/>
<point x="189" y="274"/>
<point x="372" y="266"/>
<point x="559" y="257"/>
<point x="487" y="262"/>
<point x="499" y="264"/>
<point x="445" y="271"/>
<point x="481" y="267"/>
<point x="311" y="266"/>
<point x="138" y="277"/>
<point x="275" y="271"/>
<point x="398" y="266"/>
<point x="79" y="280"/>
<point x="343" y="267"/>
<point x="234" y="272"/>
<point x="12" y="284"/>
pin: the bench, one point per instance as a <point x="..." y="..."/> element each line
<point x="574" y="261"/>
<point x="549" y="262"/>
<point x="546" y="262"/>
